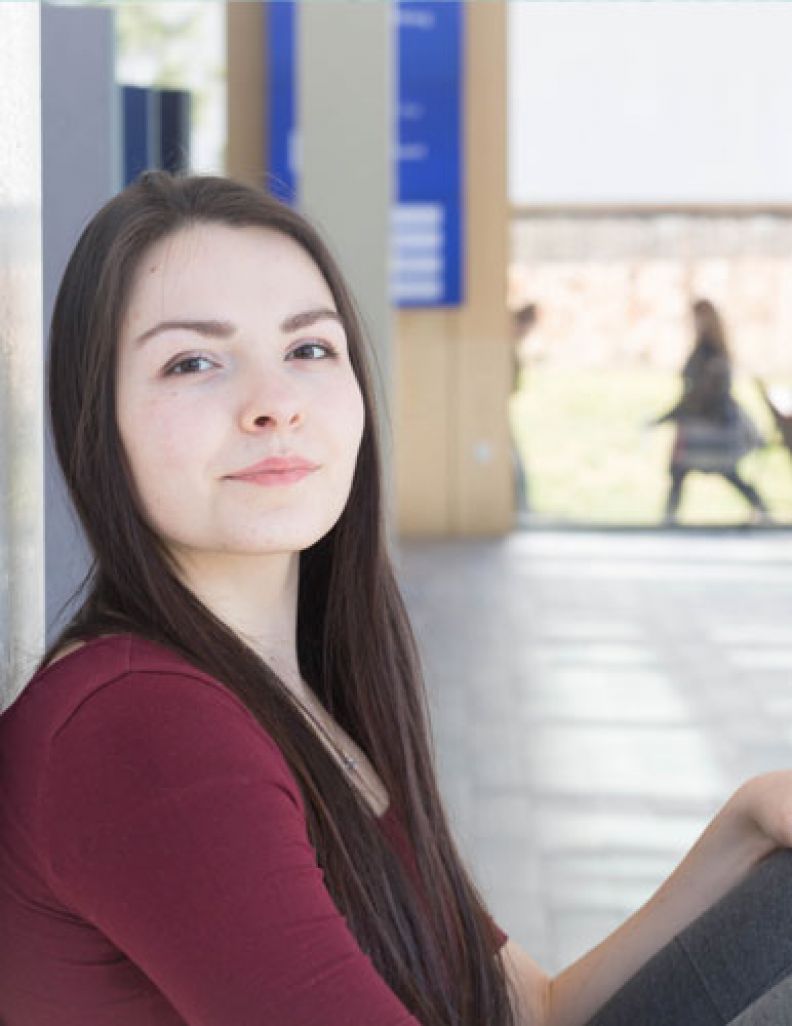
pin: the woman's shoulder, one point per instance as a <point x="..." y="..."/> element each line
<point x="81" y="668"/>
<point x="103" y="678"/>
<point x="115" y="652"/>
<point x="123" y="704"/>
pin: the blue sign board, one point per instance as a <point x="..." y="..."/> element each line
<point x="282" y="141"/>
<point x="427" y="222"/>
<point x="427" y="267"/>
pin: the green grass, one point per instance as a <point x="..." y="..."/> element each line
<point x="588" y="459"/>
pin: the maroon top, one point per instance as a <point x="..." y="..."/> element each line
<point x="155" y="865"/>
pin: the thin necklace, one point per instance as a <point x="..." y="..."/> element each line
<point x="350" y="764"/>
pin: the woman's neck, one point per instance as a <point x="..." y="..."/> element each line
<point x="256" y="596"/>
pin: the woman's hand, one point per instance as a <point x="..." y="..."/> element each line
<point x="756" y="820"/>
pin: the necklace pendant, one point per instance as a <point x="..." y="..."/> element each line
<point x="349" y="763"/>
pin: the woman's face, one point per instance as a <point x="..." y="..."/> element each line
<point x="263" y="374"/>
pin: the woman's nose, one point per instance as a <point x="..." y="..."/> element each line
<point x="271" y="400"/>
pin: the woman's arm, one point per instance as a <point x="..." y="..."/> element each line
<point x="529" y="985"/>
<point x="172" y="823"/>
<point x="755" y="821"/>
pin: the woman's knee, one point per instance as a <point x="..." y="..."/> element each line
<point x="774" y="1008"/>
<point x="742" y="946"/>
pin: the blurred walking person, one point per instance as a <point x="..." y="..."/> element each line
<point x="713" y="432"/>
<point x="523" y="321"/>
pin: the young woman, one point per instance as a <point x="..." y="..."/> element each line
<point x="219" y="804"/>
<point x="713" y="431"/>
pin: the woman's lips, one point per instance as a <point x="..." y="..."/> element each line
<point x="275" y="477"/>
<point x="276" y="470"/>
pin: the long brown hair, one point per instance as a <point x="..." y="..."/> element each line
<point x="355" y="646"/>
<point x="710" y="330"/>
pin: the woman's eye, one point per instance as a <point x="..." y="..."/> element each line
<point x="313" y="351"/>
<point x="189" y="365"/>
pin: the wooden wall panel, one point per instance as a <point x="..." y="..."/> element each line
<point x="246" y="109"/>
<point x="422" y="420"/>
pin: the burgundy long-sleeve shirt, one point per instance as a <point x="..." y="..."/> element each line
<point x="155" y="864"/>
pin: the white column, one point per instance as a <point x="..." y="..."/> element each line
<point x="21" y="493"/>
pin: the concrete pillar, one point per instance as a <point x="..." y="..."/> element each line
<point x="21" y="499"/>
<point x="346" y="117"/>
<point x="80" y="127"/>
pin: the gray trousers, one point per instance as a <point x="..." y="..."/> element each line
<point x="732" y="965"/>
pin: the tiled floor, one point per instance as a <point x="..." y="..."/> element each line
<point x="595" y="698"/>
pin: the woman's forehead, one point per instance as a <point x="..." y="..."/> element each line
<point x="222" y="244"/>
<point x="207" y="263"/>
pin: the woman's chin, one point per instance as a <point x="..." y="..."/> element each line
<point x="290" y="539"/>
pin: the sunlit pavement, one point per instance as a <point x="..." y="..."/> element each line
<point x="595" y="697"/>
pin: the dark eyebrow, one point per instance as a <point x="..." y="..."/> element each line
<point x="304" y="320"/>
<point x="210" y="329"/>
<point x="223" y="329"/>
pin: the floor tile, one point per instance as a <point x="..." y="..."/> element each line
<point x="594" y="697"/>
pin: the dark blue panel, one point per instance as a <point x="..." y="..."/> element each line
<point x="139" y="135"/>
<point x="281" y="144"/>
<point x="174" y="129"/>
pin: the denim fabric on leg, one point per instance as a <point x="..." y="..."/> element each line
<point x="720" y="964"/>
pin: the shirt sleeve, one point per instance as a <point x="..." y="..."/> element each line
<point x="171" y="822"/>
